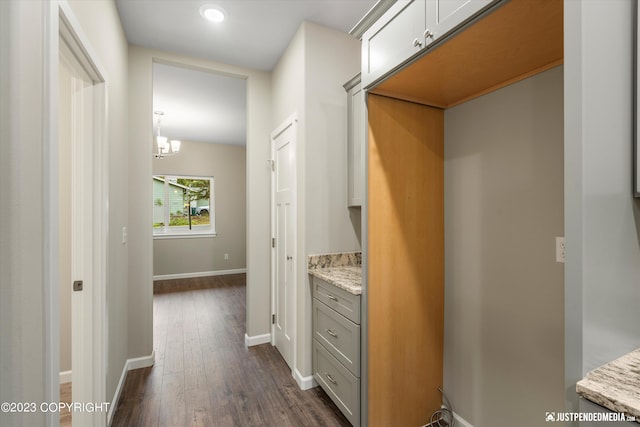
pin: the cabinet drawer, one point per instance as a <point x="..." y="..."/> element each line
<point x="340" y="384"/>
<point x="338" y="299"/>
<point x="339" y="335"/>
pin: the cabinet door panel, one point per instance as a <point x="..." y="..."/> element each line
<point x="340" y="384"/>
<point x="339" y="335"/>
<point x="355" y="147"/>
<point x="390" y="41"/>
<point x="444" y="16"/>
<point x="340" y="300"/>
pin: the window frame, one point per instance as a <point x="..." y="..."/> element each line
<point x="182" y="232"/>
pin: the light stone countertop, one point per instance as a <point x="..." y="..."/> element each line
<point x="615" y="385"/>
<point x="348" y="278"/>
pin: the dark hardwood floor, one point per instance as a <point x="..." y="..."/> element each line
<point x="65" y="396"/>
<point x="204" y="374"/>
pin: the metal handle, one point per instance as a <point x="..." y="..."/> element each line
<point x="330" y="378"/>
<point x="333" y="334"/>
<point x="417" y="43"/>
<point x="331" y="297"/>
<point x="289" y="258"/>
<point x="428" y="34"/>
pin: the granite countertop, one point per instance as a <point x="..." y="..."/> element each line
<point x="342" y="270"/>
<point x="616" y="385"/>
<point x="347" y="278"/>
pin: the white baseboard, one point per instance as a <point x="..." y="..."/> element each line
<point x="135" y="363"/>
<point x="141" y="362"/>
<point x="461" y="422"/>
<point x="65" y="377"/>
<point x="257" y="339"/>
<point x="199" y="274"/>
<point x="305" y="383"/>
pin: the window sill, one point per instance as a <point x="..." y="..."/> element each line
<point x="183" y="236"/>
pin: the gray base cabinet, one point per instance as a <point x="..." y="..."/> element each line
<point x="336" y="346"/>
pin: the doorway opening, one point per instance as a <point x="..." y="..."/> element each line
<point x="82" y="218"/>
<point x="199" y="194"/>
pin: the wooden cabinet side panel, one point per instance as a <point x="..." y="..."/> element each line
<point x="406" y="261"/>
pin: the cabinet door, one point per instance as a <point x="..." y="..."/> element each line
<point x="444" y="16"/>
<point x="392" y="39"/>
<point x="355" y="147"/>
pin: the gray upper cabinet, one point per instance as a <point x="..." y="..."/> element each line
<point x="392" y="39"/>
<point x="446" y="15"/>
<point x="355" y="142"/>
<point x="408" y="28"/>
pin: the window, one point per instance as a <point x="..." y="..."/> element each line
<point x="183" y="206"/>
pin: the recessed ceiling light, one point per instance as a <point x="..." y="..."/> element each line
<point x="212" y="13"/>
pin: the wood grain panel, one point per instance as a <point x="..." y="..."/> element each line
<point x="406" y="261"/>
<point x="515" y="41"/>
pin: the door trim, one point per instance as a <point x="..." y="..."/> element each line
<point x="291" y="121"/>
<point x="66" y="28"/>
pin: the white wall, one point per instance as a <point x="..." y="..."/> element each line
<point x="308" y="81"/>
<point x="503" y="289"/>
<point x="140" y="234"/>
<point x="332" y="59"/>
<point x="288" y="97"/>
<point x="24" y="264"/>
<point x="226" y="164"/>
<point x="28" y="196"/>
<point x="602" y="221"/>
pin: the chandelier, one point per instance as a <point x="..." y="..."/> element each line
<point x="164" y="146"/>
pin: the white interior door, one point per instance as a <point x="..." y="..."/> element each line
<point x="85" y="122"/>
<point x="283" y="208"/>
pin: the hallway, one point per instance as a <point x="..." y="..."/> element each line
<point x="205" y="376"/>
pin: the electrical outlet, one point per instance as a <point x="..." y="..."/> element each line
<point x="561" y="249"/>
<point x="226" y="257"/>
<point x="124" y="235"/>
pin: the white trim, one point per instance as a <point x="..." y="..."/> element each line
<point x="130" y="364"/>
<point x="199" y="274"/>
<point x="92" y="347"/>
<point x="50" y="175"/>
<point x="256" y="339"/>
<point x="305" y="383"/>
<point x="176" y="235"/>
<point x="370" y="17"/>
<point x="116" y="395"/>
<point x="65" y="377"/>
<point x="141" y="362"/>
<point x="461" y="421"/>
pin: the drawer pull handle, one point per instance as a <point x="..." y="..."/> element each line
<point x="333" y="334"/>
<point x="331" y="297"/>
<point x="330" y="378"/>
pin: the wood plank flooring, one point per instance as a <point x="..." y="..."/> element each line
<point x="205" y="375"/>
<point x="65" y="396"/>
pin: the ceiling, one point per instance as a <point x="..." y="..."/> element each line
<point x="200" y="106"/>
<point x="206" y="107"/>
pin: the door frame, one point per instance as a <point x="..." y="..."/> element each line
<point x="290" y="122"/>
<point x="65" y="27"/>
